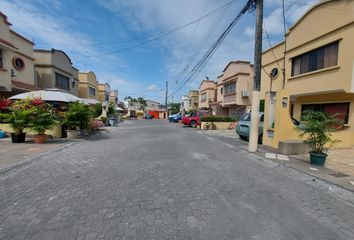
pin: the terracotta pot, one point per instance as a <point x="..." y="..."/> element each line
<point x="72" y="134"/>
<point x="40" y="138"/>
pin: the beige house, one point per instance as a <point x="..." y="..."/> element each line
<point x="54" y="69"/>
<point x="207" y="94"/>
<point x="192" y="101"/>
<point x="104" y="91"/>
<point x="152" y="105"/>
<point x="16" y="61"/>
<point x="88" y="85"/>
<point x="113" y="97"/>
<point x="234" y="89"/>
<point x="319" y="73"/>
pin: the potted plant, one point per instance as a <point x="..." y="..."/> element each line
<point x="77" y="117"/>
<point x="18" y="117"/>
<point x="317" y="130"/>
<point x="42" y="118"/>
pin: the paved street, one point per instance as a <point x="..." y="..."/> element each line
<point x="157" y="180"/>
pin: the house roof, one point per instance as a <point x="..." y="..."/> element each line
<point x="238" y="61"/>
<point x="22" y="37"/>
<point x="5" y="18"/>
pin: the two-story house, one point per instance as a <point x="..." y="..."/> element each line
<point x="207" y="94"/>
<point x="113" y="97"/>
<point x="54" y="69"/>
<point x="319" y="73"/>
<point x="192" y="101"/>
<point x="103" y="92"/>
<point x="88" y="85"/>
<point x="234" y="89"/>
<point x="184" y="104"/>
<point x="16" y="61"/>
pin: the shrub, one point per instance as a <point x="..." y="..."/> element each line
<point x="77" y="116"/>
<point x="97" y="110"/>
<point x="96" y="124"/>
<point x="42" y="116"/>
<point x="218" y="119"/>
<point x="104" y="119"/>
<point x="111" y="109"/>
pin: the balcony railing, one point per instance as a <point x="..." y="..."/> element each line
<point x="230" y="98"/>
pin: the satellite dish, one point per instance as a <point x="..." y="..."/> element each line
<point x="274" y="73"/>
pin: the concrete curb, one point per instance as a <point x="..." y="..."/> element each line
<point x="35" y="157"/>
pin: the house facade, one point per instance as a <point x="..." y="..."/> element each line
<point x="113" y="97"/>
<point x="54" y="69"/>
<point x="319" y="73"/>
<point x="104" y="91"/>
<point x="184" y="104"/>
<point x="88" y="85"/>
<point x="207" y="94"/>
<point x="152" y="105"/>
<point x="192" y="104"/>
<point x="234" y="88"/>
<point x="16" y="61"/>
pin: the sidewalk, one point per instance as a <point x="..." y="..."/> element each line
<point x="338" y="170"/>
<point x="12" y="154"/>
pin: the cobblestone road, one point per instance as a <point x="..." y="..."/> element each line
<point x="155" y="180"/>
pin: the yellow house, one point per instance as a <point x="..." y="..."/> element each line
<point x="103" y="92"/>
<point x="318" y="76"/>
<point x="234" y="89"/>
<point x="192" y="100"/>
<point x="207" y="94"/>
<point x="16" y="61"/>
<point x="54" y="69"/>
<point x="88" y="85"/>
<point x="113" y="97"/>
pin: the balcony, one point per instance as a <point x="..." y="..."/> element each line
<point x="230" y="98"/>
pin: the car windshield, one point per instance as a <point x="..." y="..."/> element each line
<point x="246" y="117"/>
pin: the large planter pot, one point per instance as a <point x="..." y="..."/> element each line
<point x="72" y="134"/>
<point x="18" y="138"/>
<point x="2" y="134"/>
<point x="318" y="159"/>
<point x="40" y="138"/>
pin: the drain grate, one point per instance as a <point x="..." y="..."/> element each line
<point x="338" y="175"/>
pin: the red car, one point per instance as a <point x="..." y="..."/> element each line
<point x="193" y="120"/>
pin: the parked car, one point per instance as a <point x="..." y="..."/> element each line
<point x="177" y="117"/>
<point x="147" y="116"/>
<point x="194" y="119"/>
<point x="170" y="117"/>
<point x="244" y="125"/>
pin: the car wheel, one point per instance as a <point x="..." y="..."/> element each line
<point x="242" y="137"/>
<point x="260" y="139"/>
<point x="193" y="124"/>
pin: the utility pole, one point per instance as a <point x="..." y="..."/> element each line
<point x="253" y="139"/>
<point x="166" y="99"/>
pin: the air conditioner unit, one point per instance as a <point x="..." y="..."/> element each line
<point x="245" y="93"/>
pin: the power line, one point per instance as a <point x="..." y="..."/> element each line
<point x="163" y="34"/>
<point x="204" y="60"/>
<point x="208" y="34"/>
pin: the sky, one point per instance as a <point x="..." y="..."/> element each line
<point x="109" y="37"/>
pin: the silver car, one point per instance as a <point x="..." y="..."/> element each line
<point x="244" y="126"/>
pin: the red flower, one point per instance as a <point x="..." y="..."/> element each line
<point x="37" y="101"/>
<point x="4" y="103"/>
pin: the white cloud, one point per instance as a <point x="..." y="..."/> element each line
<point x="151" y="87"/>
<point x="249" y="31"/>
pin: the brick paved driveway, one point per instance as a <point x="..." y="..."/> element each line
<point x="155" y="180"/>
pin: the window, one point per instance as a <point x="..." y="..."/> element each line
<point x="106" y="97"/>
<point x="92" y="91"/>
<point x="222" y="90"/>
<point x="341" y="109"/>
<point x="230" y="88"/>
<point x="203" y="97"/>
<point x="73" y="84"/>
<point x="18" y="63"/>
<point x="1" y="59"/>
<point x="246" y="117"/>
<point x="61" y="81"/>
<point x="323" y="57"/>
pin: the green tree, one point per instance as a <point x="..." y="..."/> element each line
<point x="174" y="108"/>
